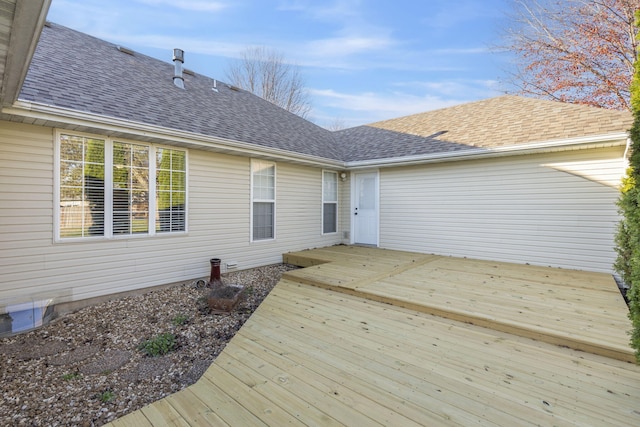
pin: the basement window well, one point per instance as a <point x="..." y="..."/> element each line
<point x="19" y="316"/>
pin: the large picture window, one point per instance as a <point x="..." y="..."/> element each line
<point x="107" y="188"/>
<point x="263" y="203"/>
<point x="329" y="202"/>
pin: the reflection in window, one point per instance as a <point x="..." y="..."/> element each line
<point x="109" y="188"/>
<point x="81" y="186"/>
<point x="130" y="188"/>
<point x="171" y="184"/>
<point x="329" y="202"/>
<point x="263" y="185"/>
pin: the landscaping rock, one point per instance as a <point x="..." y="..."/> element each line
<point x="56" y="375"/>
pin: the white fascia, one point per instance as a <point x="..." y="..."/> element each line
<point x="597" y="141"/>
<point x="43" y="112"/>
<point x="48" y="113"/>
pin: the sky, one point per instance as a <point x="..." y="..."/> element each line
<point x="362" y="60"/>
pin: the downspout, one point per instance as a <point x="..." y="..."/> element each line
<point x="625" y="157"/>
<point x="627" y="148"/>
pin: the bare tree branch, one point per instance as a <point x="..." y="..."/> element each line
<point x="264" y="72"/>
<point x="578" y="51"/>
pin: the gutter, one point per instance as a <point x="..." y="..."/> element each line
<point x="598" y="141"/>
<point x="111" y="125"/>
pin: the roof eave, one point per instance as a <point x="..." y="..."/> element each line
<point x="595" y="141"/>
<point x="73" y="119"/>
<point x="69" y="118"/>
<point x="28" y="19"/>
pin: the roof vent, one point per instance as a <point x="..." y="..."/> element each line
<point x="125" y="50"/>
<point x="437" y="134"/>
<point x="178" y="60"/>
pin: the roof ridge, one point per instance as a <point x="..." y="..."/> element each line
<point x="519" y="98"/>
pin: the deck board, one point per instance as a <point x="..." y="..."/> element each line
<point x="348" y="341"/>
<point x="582" y="310"/>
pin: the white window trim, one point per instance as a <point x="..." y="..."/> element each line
<point x="252" y="200"/>
<point x="108" y="173"/>
<point x="330" y="201"/>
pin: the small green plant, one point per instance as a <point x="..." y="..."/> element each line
<point x="71" y="376"/>
<point x="159" y="345"/>
<point x="106" y="396"/>
<point x="180" y="319"/>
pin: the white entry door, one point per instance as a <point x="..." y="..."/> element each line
<point x="365" y="208"/>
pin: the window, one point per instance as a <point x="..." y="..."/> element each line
<point x="81" y="186"/>
<point x="130" y="188"/>
<point x="171" y="185"/>
<point x="329" y="202"/>
<point x="263" y="200"/>
<point x="106" y="188"/>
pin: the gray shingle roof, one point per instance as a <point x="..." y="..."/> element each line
<point x="76" y="71"/>
<point x="368" y="142"/>
<point x="487" y="124"/>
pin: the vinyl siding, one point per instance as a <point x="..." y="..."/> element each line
<point x="344" y="208"/>
<point x="548" y="209"/>
<point x="218" y="223"/>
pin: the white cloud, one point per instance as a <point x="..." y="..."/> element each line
<point x="415" y="97"/>
<point x="188" y="44"/>
<point x="348" y="45"/>
<point x="357" y="109"/>
<point x="394" y="103"/>
<point x="456" y="88"/>
<point x="339" y="10"/>
<point x="192" y="5"/>
<point x="461" y="51"/>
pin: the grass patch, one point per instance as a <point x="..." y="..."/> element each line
<point x="159" y="345"/>
<point x="106" y="396"/>
<point x="71" y="376"/>
<point x="180" y="319"/>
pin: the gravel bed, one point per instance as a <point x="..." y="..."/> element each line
<point x="86" y="368"/>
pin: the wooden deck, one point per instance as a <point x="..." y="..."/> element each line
<point x="359" y="347"/>
<point x="577" y="309"/>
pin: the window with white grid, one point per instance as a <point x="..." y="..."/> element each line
<point x="263" y="200"/>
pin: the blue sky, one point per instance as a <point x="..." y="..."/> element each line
<point x="363" y="60"/>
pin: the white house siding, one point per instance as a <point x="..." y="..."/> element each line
<point x="555" y="209"/>
<point x="219" y="208"/>
<point x="344" y="208"/>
